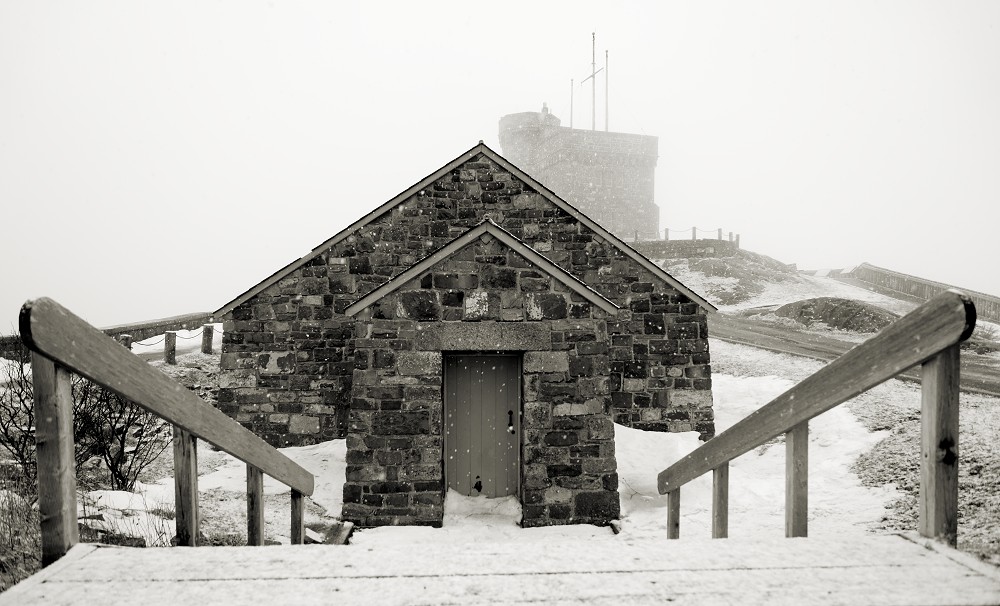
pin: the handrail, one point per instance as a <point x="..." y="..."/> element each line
<point x="929" y="335"/>
<point x="62" y="341"/>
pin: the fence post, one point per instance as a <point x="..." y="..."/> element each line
<point x="54" y="458"/>
<point x="737" y="240"/>
<point x="720" y="501"/>
<point x="694" y="233"/>
<point x="255" y="506"/>
<point x="674" y="514"/>
<point x="126" y="341"/>
<point x="185" y="487"/>
<point x="207" y="332"/>
<point x="939" y="395"/>
<point x="720" y="233"/>
<point x="730" y="236"/>
<point x="298" y="513"/>
<point x="797" y="480"/>
<point x="666" y="234"/>
<point x="170" y="347"/>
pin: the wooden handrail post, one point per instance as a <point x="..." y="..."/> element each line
<point x="170" y="347"/>
<point x="797" y="480"/>
<point x="674" y="514"/>
<point x="720" y="233"/>
<point x="666" y="233"/>
<point x="207" y="332"/>
<point x="694" y="233"/>
<point x="54" y="452"/>
<point x="185" y="487"/>
<point x="255" y="506"/>
<point x="298" y="530"/>
<point x="939" y="396"/>
<point x="720" y="501"/>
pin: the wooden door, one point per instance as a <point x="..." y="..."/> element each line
<point x="482" y="420"/>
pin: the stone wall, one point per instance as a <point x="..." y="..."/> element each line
<point x="288" y="352"/>
<point x="685" y="249"/>
<point x="607" y="175"/>
<point x="893" y="282"/>
<point x="483" y="298"/>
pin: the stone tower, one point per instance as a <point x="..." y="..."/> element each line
<point x="609" y="176"/>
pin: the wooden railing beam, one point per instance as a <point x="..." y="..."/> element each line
<point x="53" y="403"/>
<point x="720" y="501"/>
<point x="941" y="322"/>
<point x="797" y="481"/>
<point x="939" y="404"/>
<point x="54" y="331"/>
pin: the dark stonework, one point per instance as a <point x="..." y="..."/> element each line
<point x="296" y="370"/>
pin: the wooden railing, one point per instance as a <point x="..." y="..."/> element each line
<point x="60" y="343"/>
<point x="930" y="335"/>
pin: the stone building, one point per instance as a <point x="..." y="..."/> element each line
<point x="476" y="333"/>
<point x="608" y="176"/>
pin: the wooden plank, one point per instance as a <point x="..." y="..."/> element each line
<point x="54" y="331"/>
<point x="298" y="530"/>
<point x="941" y="322"/>
<point x="186" y="518"/>
<point x="797" y="481"/>
<point x="939" y="447"/>
<point x="881" y="570"/>
<point x="674" y="514"/>
<point x="720" y="501"/>
<point x="53" y="402"/>
<point x="255" y="506"/>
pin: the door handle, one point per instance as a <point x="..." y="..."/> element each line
<point x="510" y="422"/>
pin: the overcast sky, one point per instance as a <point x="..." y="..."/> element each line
<point x="159" y="158"/>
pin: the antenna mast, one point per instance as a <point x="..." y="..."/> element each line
<point x="605" y="90"/>
<point x="593" y="85"/>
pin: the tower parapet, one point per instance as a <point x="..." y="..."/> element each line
<point x="607" y="175"/>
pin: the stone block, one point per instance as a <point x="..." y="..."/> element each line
<point x="590" y="407"/>
<point x="545" y="306"/>
<point x="399" y="423"/>
<point x="684" y="398"/>
<point x="602" y="506"/>
<point x="276" y="363"/>
<point x="482" y="305"/>
<point x="303" y="424"/>
<point x="420" y="305"/>
<point x="546" y="361"/>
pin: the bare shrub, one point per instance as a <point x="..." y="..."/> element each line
<point x="125" y="436"/>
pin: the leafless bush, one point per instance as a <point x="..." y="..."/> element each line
<point x="124" y="437"/>
<point x="17" y="420"/>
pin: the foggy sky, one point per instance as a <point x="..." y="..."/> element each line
<point x="162" y="158"/>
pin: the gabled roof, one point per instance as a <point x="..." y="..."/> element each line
<point x="483" y="149"/>
<point x="487" y="227"/>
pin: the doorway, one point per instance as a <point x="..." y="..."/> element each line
<point x="482" y="423"/>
